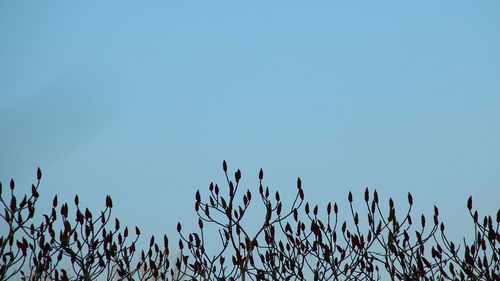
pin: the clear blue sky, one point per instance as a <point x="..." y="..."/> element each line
<point x="144" y="99"/>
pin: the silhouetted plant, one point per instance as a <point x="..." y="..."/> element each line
<point x="295" y="242"/>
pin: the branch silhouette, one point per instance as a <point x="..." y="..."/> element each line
<point x="296" y="241"/>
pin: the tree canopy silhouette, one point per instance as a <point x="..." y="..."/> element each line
<point x="294" y="241"/>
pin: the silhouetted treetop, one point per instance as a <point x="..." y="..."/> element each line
<point x="294" y="240"/>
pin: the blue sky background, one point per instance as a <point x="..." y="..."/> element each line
<point x="144" y="99"/>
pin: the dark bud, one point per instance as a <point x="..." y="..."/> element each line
<point x="179" y="227"/>
<point x="109" y="202"/>
<point x="12" y="184"/>
<point x="38" y="173"/>
<point x="410" y="199"/>
<point x="34" y="192"/>
<point x="88" y="214"/>
<point x="198" y="196"/>
<point x="237" y="176"/>
<point x="375" y="197"/>
<point x="200" y="223"/>
<point x="54" y="202"/>
<point x="137" y="231"/>
<point x="76" y="200"/>
<point x="469" y="203"/>
<point x="261" y="174"/>
<point x="329" y="208"/>
<point x="367" y="195"/>
<point x="306" y="208"/>
<point x="349" y="197"/>
<point x="207" y="212"/>
<point x="13" y="204"/>
<point x="335" y="208"/>
<point x="277" y="196"/>
<point x="268" y="213"/>
<point x="299" y="183"/>
<point x="224" y="166"/>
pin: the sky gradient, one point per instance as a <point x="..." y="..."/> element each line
<point x="143" y="100"/>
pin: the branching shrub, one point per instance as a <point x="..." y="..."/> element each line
<point x="292" y="242"/>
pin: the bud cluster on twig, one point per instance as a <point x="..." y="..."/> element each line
<point x="292" y="242"/>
